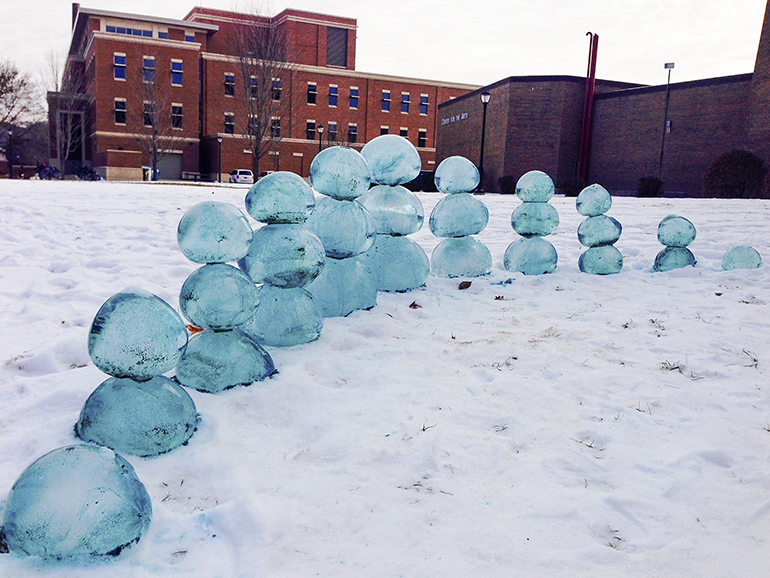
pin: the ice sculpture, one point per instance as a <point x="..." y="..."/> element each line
<point x="285" y="256"/>
<point x="457" y="217"/>
<point x="533" y="219"/>
<point x="598" y="232"/>
<point x="346" y="230"/>
<point x="675" y="233"/>
<point x="741" y="257"/>
<point x="397" y="262"/>
<point x="214" y="232"/>
<point x="141" y="418"/>
<point x="218" y="296"/>
<point x="76" y="503"/>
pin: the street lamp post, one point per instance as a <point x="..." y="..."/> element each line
<point x="320" y="136"/>
<point x="485" y="97"/>
<point x="668" y="66"/>
<point x="219" y="159"/>
<point x="9" y="153"/>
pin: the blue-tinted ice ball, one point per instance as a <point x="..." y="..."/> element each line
<point x="345" y="227"/>
<point x="392" y="159"/>
<point x="76" y="503"/>
<point x="219" y="360"/>
<point x="532" y="219"/>
<point x="458" y="215"/>
<point x="460" y="257"/>
<point x="213" y="232"/>
<point x="535" y="187"/>
<point x="144" y="418"/>
<point x="604" y="260"/>
<point x="344" y="286"/>
<point x="218" y="296"/>
<point x="531" y="256"/>
<point x="394" y="209"/>
<point x="398" y="263"/>
<point x="340" y="172"/>
<point x="456" y="175"/>
<point x="284" y="256"/>
<point x="280" y="197"/>
<point x="599" y="230"/>
<point x="673" y="258"/>
<point x="741" y="257"/>
<point x="594" y="200"/>
<point x="137" y="335"/>
<point x="675" y="231"/>
<point x="285" y="317"/>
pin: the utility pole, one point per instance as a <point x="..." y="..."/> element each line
<point x="668" y="66"/>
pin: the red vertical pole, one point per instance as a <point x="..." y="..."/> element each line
<point x="588" y="105"/>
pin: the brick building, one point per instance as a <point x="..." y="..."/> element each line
<point x="191" y="67"/>
<point x="535" y="123"/>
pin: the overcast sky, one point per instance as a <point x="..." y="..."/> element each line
<point x="473" y="42"/>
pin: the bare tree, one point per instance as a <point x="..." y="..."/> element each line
<point x="19" y="98"/>
<point x="261" y="49"/>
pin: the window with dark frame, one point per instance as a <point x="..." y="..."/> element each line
<point x="176" y="73"/>
<point x="120" y="111"/>
<point x="331" y="131"/>
<point x="277" y="89"/>
<point x="229" y="123"/>
<point x="352" y="133"/>
<point x="253" y="126"/>
<point x="385" y="101"/>
<point x="423" y="104"/>
<point x="310" y="130"/>
<point x="405" y="102"/>
<point x="177" y="116"/>
<point x="119" y="66"/>
<point x="312" y="92"/>
<point x="148" y="69"/>
<point x="254" y="87"/>
<point x="148" y="114"/>
<point x="275" y="127"/>
<point x="404" y="132"/>
<point x="229" y="85"/>
<point x="384" y="130"/>
<point x="422" y="138"/>
<point x="353" y="97"/>
<point x="336" y="47"/>
<point x="334" y="93"/>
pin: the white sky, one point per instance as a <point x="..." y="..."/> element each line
<point x="476" y="43"/>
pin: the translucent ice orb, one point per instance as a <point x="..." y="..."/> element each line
<point x="345" y="227"/>
<point x="143" y="419"/>
<point x="593" y="200"/>
<point x="673" y="258"/>
<point x="213" y="232"/>
<point x="458" y="215"/>
<point x="344" y="286"/>
<point x="532" y="219"/>
<point x="285" y="317"/>
<point x="218" y="296"/>
<point x="456" y="175"/>
<point x="137" y="335"/>
<point x="284" y="256"/>
<point x="340" y="172"/>
<point x="460" y="257"/>
<point x="281" y="197"/>
<point x="392" y="159"/>
<point x="535" y="187"/>
<point x="604" y="260"/>
<point x="220" y="360"/>
<point x="599" y="230"/>
<point x="75" y="503"/>
<point x="394" y="209"/>
<point x="531" y="256"/>
<point x="675" y="231"/>
<point x="398" y="263"/>
<point x="741" y="257"/>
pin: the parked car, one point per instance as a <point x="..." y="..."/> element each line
<point x="264" y="174"/>
<point x="242" y="176"/>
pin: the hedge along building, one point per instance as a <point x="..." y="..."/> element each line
<point x="535" y="123"/>
<point x="194" y="66"/>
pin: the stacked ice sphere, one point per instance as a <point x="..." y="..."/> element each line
<point x="284" y="257"/>
<point x="533" y="219"/>
<point x="675" y="233"/>
<point x="397" y="262"/>
<point x="218" y="298"/>
<point x="346" y="230"/>
<point x="598" y="232"/>
<point x="457" y="217"/>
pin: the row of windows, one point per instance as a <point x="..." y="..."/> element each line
<point x="148" y="69"/>
<point x="188" y="37"/>
<point x="353" y="95"/>
<point x="230" y="86"/>
<point x="121" y="113"/>
<point x="422" y="134"/>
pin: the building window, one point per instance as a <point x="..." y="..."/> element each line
<point x="229" y="123"/>
<point x="422" y="138"/>
<point x="119" y="66"/>
<point x="189" y="37"/>
<point x="336" y="47"/>
<point x="148" y="69"/>
<point x="176" y="72"/>
<point x="229" y="84"/>
<point x="254" y="87"/>
<point x="352" y="133"/>
<point x="404" y="132"/>
<point x="177" y="116"/>
<point x="163" y="35"/>
<point x="120" y="111"/>
<point x="334" y="92"/>
<point x="384" y="130"/>
<point x="331" y="131"/>
<point x="312" y="92"/>
<point x="385" y="101"/>
<point x="353" y="97"/>
<point x="253" y="126"/>
<point x="275" y="127"/>
<point x="423" y="104"/>
<point x="310" y="130"/>
<point x="129" y="31"/>
<point x="148" y="114"/>
<point x="405" y="102"/>
<point x="276" y="89"/>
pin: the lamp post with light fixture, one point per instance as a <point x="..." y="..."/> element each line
<point x="666" y="123"/>
<point x="485" y="98"/>
<point x="320" y="136"/>
<point x="219" y="159"/>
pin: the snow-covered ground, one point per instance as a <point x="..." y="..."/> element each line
<point x="558" y="425"/>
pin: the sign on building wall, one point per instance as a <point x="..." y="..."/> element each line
<point x="455" y="118"/>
